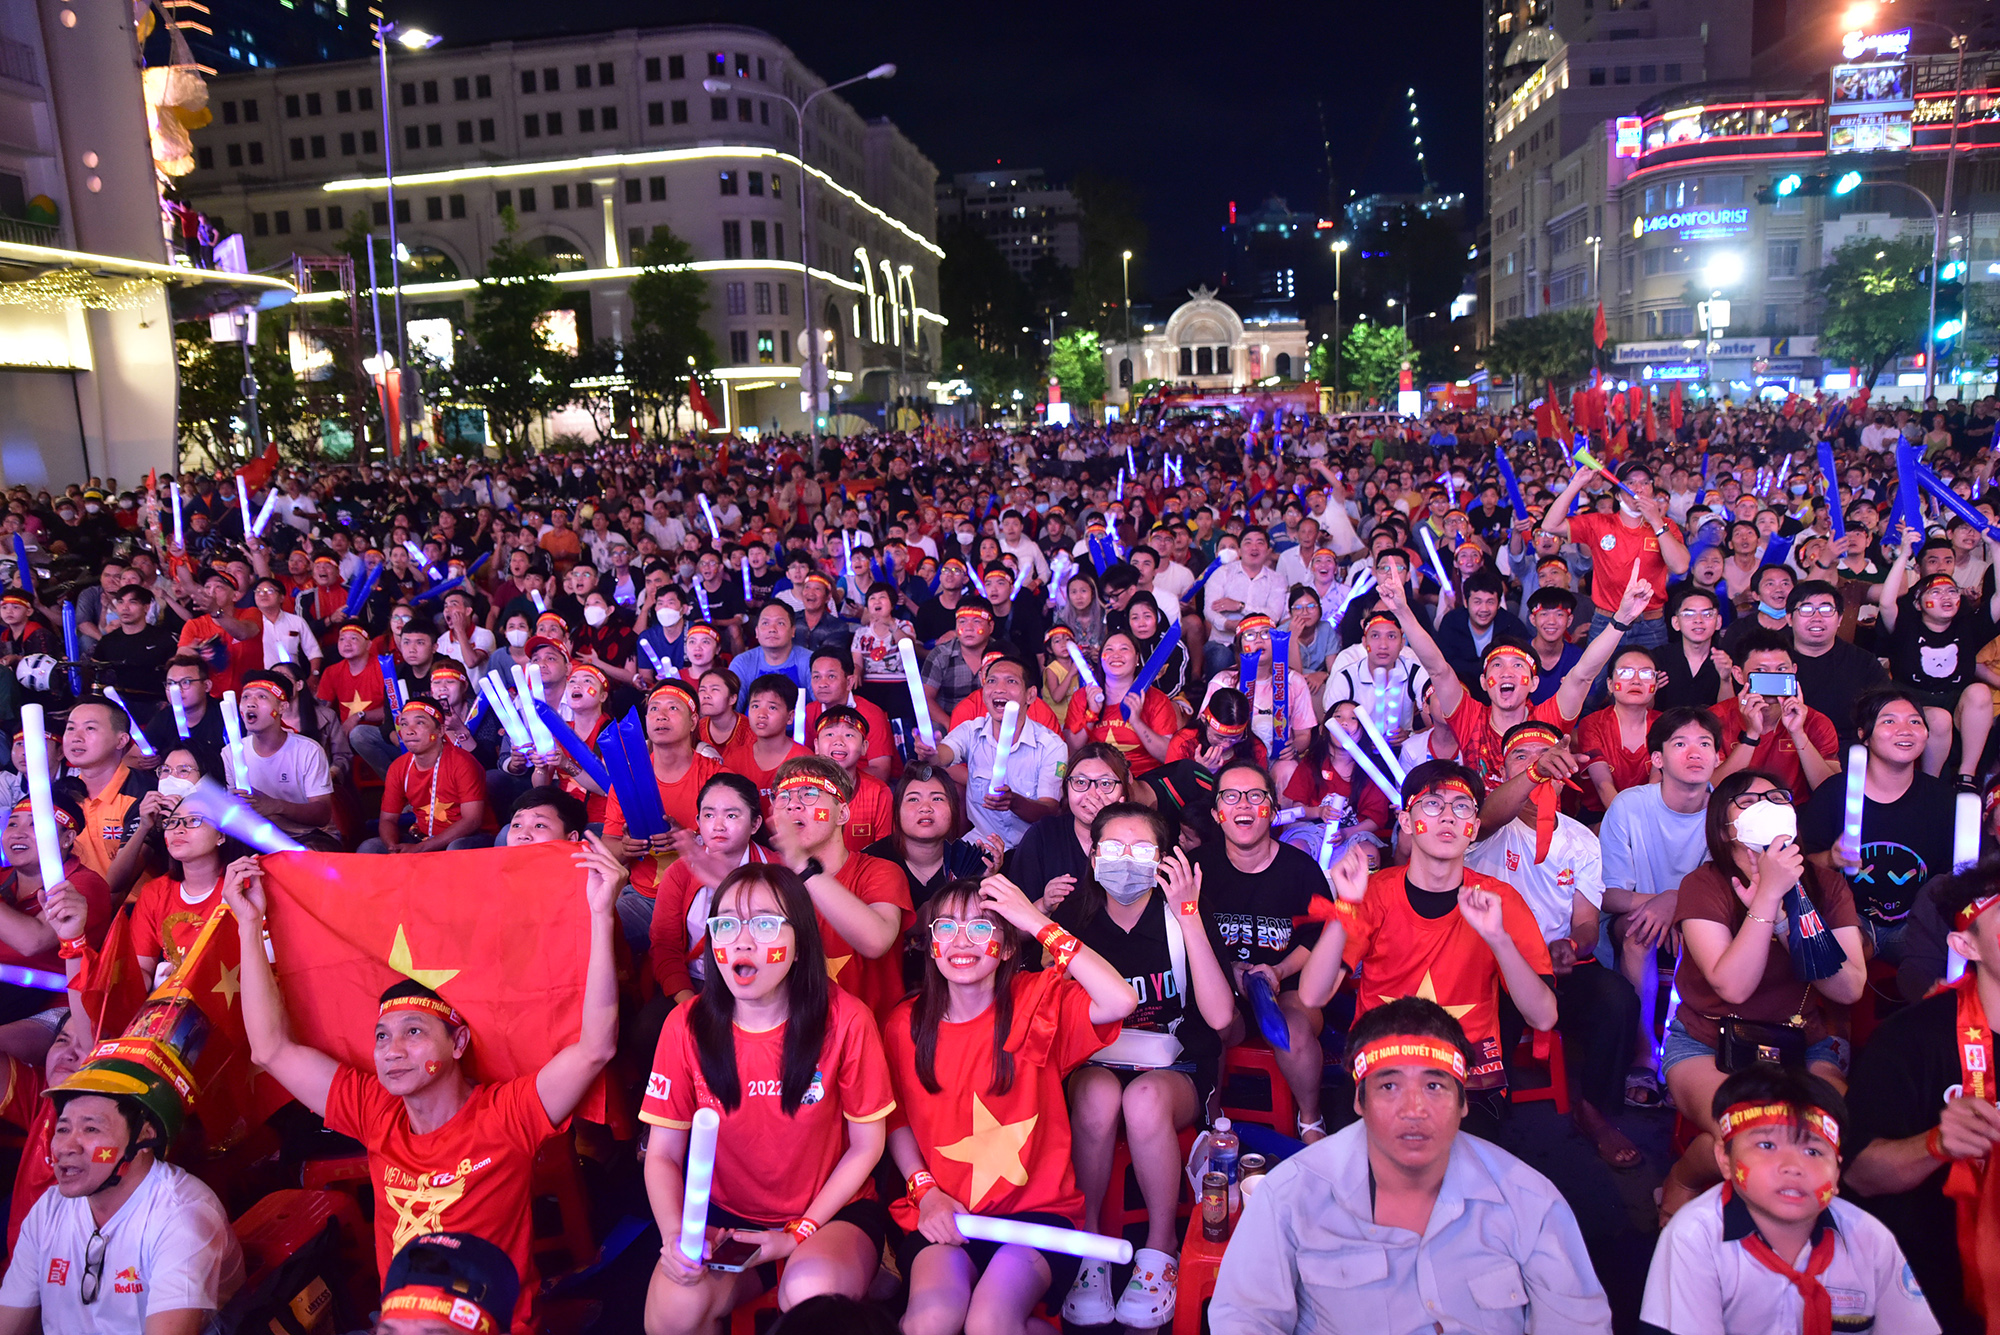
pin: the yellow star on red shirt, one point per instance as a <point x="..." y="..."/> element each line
<point x="1428" y="991"/>
<point x="354" y="705"/>
<point x="994" y="1151"/>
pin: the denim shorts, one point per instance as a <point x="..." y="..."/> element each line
<point x="1681" y="1046"/>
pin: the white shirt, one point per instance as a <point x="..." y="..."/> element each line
<point x="482" y="638"/>
<point x="168" y="1249"/>
<point x="1350" y="676"/>
<point x="1572" y="867"/>
<point x="1703" y="1281"/>
<point x="1263" y="592"/>
<point x="667" y="532"/>
<point x="1027" y="555"/>
<point x="297" y="772"/>
<point x="1034" y="769"/>
<point x="291" y="631"/>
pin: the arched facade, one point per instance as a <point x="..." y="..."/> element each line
<point x="1205" y="344"/>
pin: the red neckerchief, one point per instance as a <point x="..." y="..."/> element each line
<point x="1819" y="1303"/>
<point x="1973" y="1188"/>
<point x="1548" y="802"/>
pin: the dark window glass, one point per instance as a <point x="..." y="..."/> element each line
<point x="676" y="67"/>
<point x="586" y="120"/>
<point x="656" y="187"/>
<point x="319" y="145"/>
<point x="260" y="224"/>
<point x="608" y="118"/>
<point x="458" y="206"/>
<point x="461" y="89"/>
<point x="718" y="108"/>
<point x="430" y="90"/>
<point x="281" y="222"/>
<point x="527" y="199"/>
<point x="402" y="210"/>
<point x="482" y="85"/>
<point x="312" y="104"/>
<point x="298" y="147"/>
<point x="559" y="197"/>
<point x="413" y="136"/>
<point x="486" y="130"/>
<point x="732" y="241"/>
<point x="531" y="126"/>
<point x="465" y="132"/>
<point x="583" y="76"/>
<point x="606" y="73"/>
<point x="256" y="155"/>
<point x="527" y="81"/>
<point x="555" y="122"/>
<point x="652" y="69"/>
<point x="433" y="209"/>
<point x="343" y="101"/>
<point x="680" y="110"/>
<point x="229" y="113"/>
<point x="204" y="158"/>
<point x="236" y="155"/>
<point x="656" y="113"/>
<point x="635" y="190"/>
<point x="250" y="110"/>
<point x="292" y="106"/>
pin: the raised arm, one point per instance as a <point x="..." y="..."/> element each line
<point x="564" y="1080"/>
<point x="1897" y="579"/>
<point x="1180" y="882"/>
<point x="1576" y="682"/>
<point x="306" y="1072"/>
<point x="1447" y="690"/>
<point x="1556" y="518"/>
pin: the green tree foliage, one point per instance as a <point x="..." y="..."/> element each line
<point x="668" y="341"/>
<point x="1111" y="225"/>
<point x="1077" y="363"/>
<point x="1372" y="357"/>
<point x="211" y="395"/>
<point x="1555" y="346"/>
<point x="505" y="363"/>
<point x="1872" y="308"/>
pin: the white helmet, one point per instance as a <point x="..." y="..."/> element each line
<point x="35" y="672"/>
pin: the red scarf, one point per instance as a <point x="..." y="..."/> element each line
<point x="1971" y="1184"/>
<point x="1819" y="1303"/>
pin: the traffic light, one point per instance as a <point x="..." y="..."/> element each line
<point x="1809" y="183"/>
<point x="1952" y="271"/>
<point x="1950" y="329"/>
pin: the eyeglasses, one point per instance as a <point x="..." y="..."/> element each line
<point x="977" y="930"/>
<point x="1251" y="636"/>
<point x="1436" y="807"/>
<point x="93" y="1265"/>
<point x="1744" y="801"/>
<point x="1697" y="613"/>
<point x="1815" y="610"/>
<point x="183" y="823"/>
<point x="1079" y="783"/>
<point x="1113" y="849"/>
<point x="797" y="799"/>
<point x="1636" y="674"/>
<point x="1230" y="797"/>
<point x="764" y="928"/>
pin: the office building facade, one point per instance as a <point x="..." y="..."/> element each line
<point x="1027" y="219"/>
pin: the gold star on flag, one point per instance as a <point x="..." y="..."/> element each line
<point x="835" y="963"/>
<point x="994" y="1151"/>
<point x="228" y="985"/>
<point x="439" y="814"/>
<point x="400" y="961"/>
<point x="1428" y="991"/>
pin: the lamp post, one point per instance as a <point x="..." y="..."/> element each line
<point x="1127" y="262"/>
<point x="1339" y="249"/>
<point x="411" y="39"/>
<point x="812" y="367"/>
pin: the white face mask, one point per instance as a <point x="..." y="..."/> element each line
<point x="171" y="785"/>
<point x="595" y="616"/>
<point x="1764" y="823"/>
<point x="669" y="617"/>
<point x="517" y="638"/>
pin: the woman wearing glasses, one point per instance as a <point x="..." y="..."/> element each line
<point x="1054" y="855"/>
<point x="793" y="1065"/>
<point x="1766" y="940"/>
<point x="1140" y="908"/>
<point x="1614" y="738"/>
<point x="1140" y="723"/>
<point x="980" y="1055"/>
<point x="1253" y="636"/>
<point x="731" y="815"/>
<point x="170" y="909"/>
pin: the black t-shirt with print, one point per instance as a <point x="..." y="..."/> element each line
<point x="1903" y="843"/>
<point x="1258" y="917"/>
<point x="1143" y="959"/>
<point x="1938" y="660"/>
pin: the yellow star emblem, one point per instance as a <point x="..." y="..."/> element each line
<point x="835" y="963"/>
<point x="1428" y="991"/>
<point x="229" y="985"/>
<point x="439" y="815"/>
<point x="354" y="705"/>
<point x="994" y="1151"/>
<point x="1974" y="1035"/>
<point x="400" y="961"/>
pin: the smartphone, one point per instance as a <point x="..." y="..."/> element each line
<point x="732" y="1257"/>
<point x="1772" y="683"/>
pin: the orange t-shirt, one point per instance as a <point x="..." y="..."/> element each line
<point x="1157" y="712"/>
<point x="1395" y="953"/>
<point x="244" y="655"/>
<point x="878" y="982"/>
<point x="471" y="1175"/>
<point x="769" y="1164"/>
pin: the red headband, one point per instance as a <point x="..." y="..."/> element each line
<point x="1446" y="786"/>
<point x="1971" y="912"/>
<point x="810" y="781"/>
<point x="1402" y="1049"/>
<point x="424" y="1300"/>
<point x="1221" y="729"/>
<point x="591" y="669"/>
<point x="437" y="1006"/>
<point x="1537" y="729"/>
<point x="1255" y="621"/>
<point x="1743" y="1117"/>
<point x="1508" y="650"/>
<point x="427" y="709"/>
<point x="62" y="817"/>
<point x="678" y="689"/>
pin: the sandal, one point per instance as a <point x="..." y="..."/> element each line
<point x="1314" y="1131"/>
<point x="1642" y="1090"/>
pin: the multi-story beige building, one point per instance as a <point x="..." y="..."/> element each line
<point x="589" y="143"/>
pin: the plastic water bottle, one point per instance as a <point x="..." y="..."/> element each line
<point x="1224" y="1155"/>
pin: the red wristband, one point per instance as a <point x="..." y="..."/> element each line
<point x="70" y="950"/>
<point x="1059" y="944"/>
<point x="802" y="1228"/>
<point x="920" y="1185"/>
<point x="1934" y="1145"/>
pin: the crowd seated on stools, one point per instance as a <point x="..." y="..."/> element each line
<point x="842" y="858"/>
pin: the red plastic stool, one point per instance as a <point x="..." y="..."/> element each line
<point x="273" y="1229"/>
<point x="568" y="1244"/>
<point x="743" y="1321"/>
<point x="1283" y="1115"/>
<point x="1557" y="1090"/>
<point x="1116" y="1215"/>
<point x="1201" y="1262"/>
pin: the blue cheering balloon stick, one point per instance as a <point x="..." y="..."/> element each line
<point x="566" y="737"/>
<point x="1156" y="663"/>
<point x="1514" y="496"/>
<point x="392" y="693"/>
<point x="22" y="568"/>
<point x="1826" y="471"/>
<point x="1270" y="1020"/>
<point x="438" y="590"/>
<point x="1952" y="501"/>
<point x="72" y="646"/>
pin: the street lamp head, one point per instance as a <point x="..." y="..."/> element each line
<point x="882" y="72"/>
<point x="415" y="39"/>
<point x="1128" y="254"/>
<point x="1859" y="16"/>
<point x="716" y="85"/>
<point x="1340" y="247"/>
<point x="1725" y="269"/>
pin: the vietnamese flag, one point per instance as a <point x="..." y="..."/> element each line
<point x="502" y="934"/>
<point x="110" y="983"/>
<point x="1674" y="411"/>
<point x="232" y="1095"/>
<point x="1597" y="329"/>
<point x="698" y="401"/>
<point x="257" y="473"/>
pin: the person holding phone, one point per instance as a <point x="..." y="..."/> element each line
<point x="1768" y="726"/>
<point x="795" y="1068"/>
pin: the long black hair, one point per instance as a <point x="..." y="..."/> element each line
<point x="934" y="993"/>
<point x="712" y="1021"/>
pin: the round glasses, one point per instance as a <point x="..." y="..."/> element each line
<point x="1436" y="807"/>
<point x="1113" y="849"/>
<point x="764" y="928"/>
<point x="1082" y="783"/>
<point x="977" y="930"/>
<point x="1815" y="610"/>
<point x="1230" y="797"/>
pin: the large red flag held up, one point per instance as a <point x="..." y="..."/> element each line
<point x="502" y="934"/>
<point x="698" y="402"/>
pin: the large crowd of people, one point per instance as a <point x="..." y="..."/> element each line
<point x="952" y="816"/>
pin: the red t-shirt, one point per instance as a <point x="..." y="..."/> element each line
<point x="1309" y="786"/>
<point x="1394" y="953"/>
<point x="437" y="795"/>
<point x="878" y="982"/>
<point x="678" y="941"/>
<point x="742" y="758"/>
<point x="1157" y="713"/>
<point x="1598" y="736"/>
<point x="1479" y="744"/>
<point x="1776" y="752"/>
<point x="974" y="707"/>
<point x="472" y="1175"/>
<point x="879" y="736"/>
<point x="355" y="691"/>
<point x="165" y="925"/>
<point x="870" y="816"/>
<point x="1000" y="1154"/>
<point x="769" y="1164"/>
<point x="244" y="655"/>
<point x="96" y="898"/>
<point x="681" y="801"/>
<point x="24" y="1107"/>
<point x="1186" y="745"/>
<point x="1613" y="547"/>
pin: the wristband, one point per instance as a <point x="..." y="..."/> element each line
<point x="801" y="1228"/>
<point x="1621" y="626"/>
<point x="1059" y="944"/>
<point x="1345" y="910"/>
<point x="1749" y="741"/>
<point x="920" y="1185"/>
<point x="1934" y="1145"/>
<point x="71" y="950"/>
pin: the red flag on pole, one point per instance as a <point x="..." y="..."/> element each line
<point x="510" y="958"/>
<point x="1597" y="327"/>
<point x="389" y="390"/>
<point x="698" y="401"/>
<point x="1674" y="411"/>
<point x="109" y="983"/>
<point x="257" y="473"/>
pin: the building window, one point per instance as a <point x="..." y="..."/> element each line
<point x="256" y="155"/>
<point x="260" y="224"/>
<point x="606" y="73"/>
<point x="764" y="112"/>
<point x="486" y="130"/>
<point x="756" y="182"/>
<point x="461" y="89"/>
<point x="503" y="200"/>
<point x="413" y="136"/>
<point x="784" y="299"/>
<point x="718" y="108"/>
<point x="281" y="222"/>
<point x="743" y="110"/>
<point x="334" y="220"/>
<point x="319" y="145"/>
<point x="635" y="241"/>
<point x="728" y="182"/>
<point x="760" y="248"/>
<point x="402" y="210"/>
<point x="465" y="132"/>
<point x="680" y="111"/>
<point x="343" y="101"/>
<point x="1783" y="259"/>
<point x="585" y="197"/>
<point x="555" y="122"/>
<point x="291" y="106"/>
<point x="527" y="199"/>
<point x="739" y="346"/>
<point x="1222" y="361"/>
<point x="204" y="158"/>
<point x="1673" y="71"/>
<point x="235" y="153"/>
<point x="586" y="119"/>
<point x="677" y="67"/>
<point x="312" y="104"/>
<point x="346" y="144"/>
<point x="434" y="208"/>
<point x="559" y="194"/>
<point x="381" y="214"/>
<point x="607" y="117"/>
<point x="1187" y="361"/>
<point x="1621" y="74"/>
<point x="250" y="110"/>
<point x="430" y="91"/>
<point x="298" y="147"/>
<point x="482" y="86"/>
<point x="732" y="240"/>
<point x="652" y="69"/>
<point x="527" y="81"/>
<point x="763" y="294"/>
<point x="634" y="191"/>
<point x="1649" y="74"/>
<point x="656" y="188"/>
<point x="767" y="347"/>
<point x="760" y="71"/>
<point x="733" y="295"/>
<point x="409" y="95"/>
<point x="718" y="64"/>
<point x="229" y="113"/>
<point x="368" y="146"/>
<point x="656" y="113"/>
<point x="784" y="345"/>
<point x="531" y="126"/>
<point x="434" y="136"/>
<point x="742" y="65"/>
<point x="458" y="206"/>
<point x="583" y="76"/>
<point x="1204" y="361"/>
<point x="777" y="184"/>
<point x="364" y="100"/>
<point x="551" y="81"/>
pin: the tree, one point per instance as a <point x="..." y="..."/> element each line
<point x="213" y="412"/>
<point x="668" y="341"/>
<point x="987" y="304"/>
<point x="1111" y="224"/>
<point x="1552" y="347"/>
<point x="1872" y="308"/>
<point x="993" y="376"/>
<point x="509" y="365"/>
<point x="1077" y="364"/>
<point x="1372" y="357"/>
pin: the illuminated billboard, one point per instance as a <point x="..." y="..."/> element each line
<point x="1627" y="143"/>
<point x="1871" y="108"/>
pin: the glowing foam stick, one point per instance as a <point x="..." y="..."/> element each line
<point x="1021" y="578"/>
<point x="180" y="713"/>
<point x="748" y="596"/>
<point x="1130" y="462"/>
<point x="41" y="800"/>
<point x="264" y="512"/>
<point x="1382" y="745"/>
<point x="510" y="719"/>
<point x="1367" y="766"/>
<point x="18" y="976"/>
<point x="914" y="680"/>
<point x="21" y="566"/>
<point x="1042" y="1237"/>
<point x="700" y="1176"/>
<point x="799" y="718"/>
<point x="1857" y="776"/>
<point x="701" y="596"/>
<point x="1264" y="1006"/>
<point x="653" y="657"/>
<point x="1362" y="583"/>
<point x="232" y="815"/>
<point x="1431" y="550"/>
<point x="541" y="606"/>
<point x="1082" y="668"/>
<point x="138" y="735"/>
<point x="1119" y="495"/>
<point x="232" y="728"/>
<point x="1291" y="814"/>
<point x="72" y="646"/>
<point x="714" y="529"/>
<point x="243" y="502"/>
<point x="284" y="654"/>
<point x="177" y="515"/>
<point x="1965" y="832"/>
<point x="545" y="742"/>
<point x="1010" y="727"/>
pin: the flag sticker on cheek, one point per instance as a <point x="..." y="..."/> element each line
<point x="104" y="1154"/>
<point x="821" y="815"/>
<point x="1824" y="1195"/>
<point x="1471" y="829"/>
<point x="722" y="956"/>
<point x="1418" y="827"/>
<point x="774" y="955"/>
<point x="993" y="946"/>
<point x="1742" y="1176"/>
<point x="937" y="951"/>
<point x="1263" y="811"/>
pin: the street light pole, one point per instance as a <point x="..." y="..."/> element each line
<point x="1958" y="40"/>
<point x="416" y="39"/>
<point x="1128" y="302"/>
<point x="1339" y="249"/>
<point x="1937" y="234"/>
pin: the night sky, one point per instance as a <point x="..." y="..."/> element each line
<point x="1195" y="114"/>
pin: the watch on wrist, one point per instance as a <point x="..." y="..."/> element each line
<point x="1620" y="626"/>
<point x="814" y="867"/>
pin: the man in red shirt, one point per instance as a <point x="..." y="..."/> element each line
<point x="832" y="682"/>
<point x="1509" y="672"/>
<point x="1639" y="536"/>
<point x="444" y="1153"/>
<point x="842" y="736"/>
<point x="442" y="787"/>
<point x="1778" y="734"/>
<point x="1434" y="929"/>
<point x="225" y="641"/>
<point x="353" y="682"/>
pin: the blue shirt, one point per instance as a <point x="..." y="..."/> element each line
<point x="752" y="664"/>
